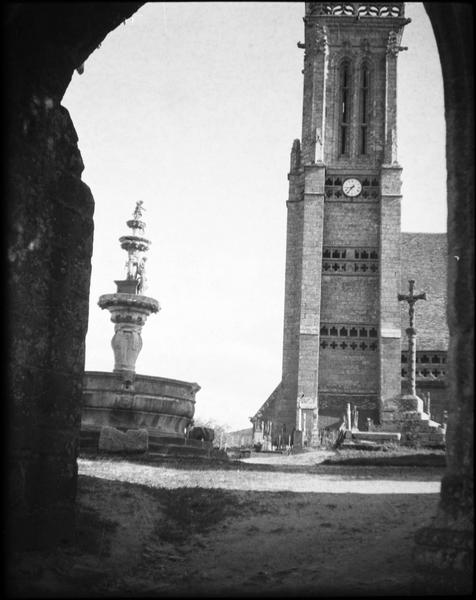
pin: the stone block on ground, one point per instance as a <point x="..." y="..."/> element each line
<point x="113" y="440"/>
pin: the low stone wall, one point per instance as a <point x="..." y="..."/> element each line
<point x="162" y="406"/>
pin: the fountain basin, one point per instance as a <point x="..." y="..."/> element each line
<point x="165" y="407"/>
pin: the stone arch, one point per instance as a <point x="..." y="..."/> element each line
<point x="49" y="241"/>
<point x="49" y="238"/>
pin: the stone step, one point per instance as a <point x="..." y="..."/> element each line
<point x="172" y="450"/>
<point x="177" y="441"/>
<point x="413" y="415"/>
<point x="361" y="445"/>
<point x="380" y="436"/>
<point x="166" y="445"/>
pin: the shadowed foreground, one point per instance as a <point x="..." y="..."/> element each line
<point x="159" y="539"/>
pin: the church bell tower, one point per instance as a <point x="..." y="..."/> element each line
<point x="341" y="339"/>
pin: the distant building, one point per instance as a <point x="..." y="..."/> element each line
<point x="346" y="259"/>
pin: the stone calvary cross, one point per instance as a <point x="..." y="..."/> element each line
<point x="411" y="298"/>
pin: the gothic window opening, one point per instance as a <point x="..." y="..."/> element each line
<point x="345" y="97"/>
<point x="364" y="108"/>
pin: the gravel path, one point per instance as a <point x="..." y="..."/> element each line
<point x="165" y="477"/>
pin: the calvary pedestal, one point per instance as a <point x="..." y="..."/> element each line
<point x="405" y="412"/>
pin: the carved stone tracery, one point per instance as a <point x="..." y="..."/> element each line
<point x="357" y="9"/>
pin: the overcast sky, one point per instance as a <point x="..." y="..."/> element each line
<point x="192" y="108"/>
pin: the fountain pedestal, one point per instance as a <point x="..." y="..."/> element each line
<point x="129" y="313"/>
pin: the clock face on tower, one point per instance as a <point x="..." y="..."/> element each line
<point x="352" y="187"/>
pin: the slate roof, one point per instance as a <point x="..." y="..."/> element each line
<point x="267" y="409"/>
<point x="424" y="259"/>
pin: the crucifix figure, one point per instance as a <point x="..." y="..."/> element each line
<point x="411" y="298"/>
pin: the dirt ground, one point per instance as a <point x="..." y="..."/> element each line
<point x="158" y="530"/>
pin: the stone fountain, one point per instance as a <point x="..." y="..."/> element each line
<point x="124" y="406"/>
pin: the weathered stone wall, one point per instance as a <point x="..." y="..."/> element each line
<point x="349" y="299"/>
<point x="449" y="542"/>
<point x="49" y="237"/>
<point x="49" y="262"/>
<point x="351" y="224"/>
<point x="389" y="251"/>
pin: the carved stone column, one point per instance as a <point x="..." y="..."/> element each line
<point x="129" y="312"/>
<point x="128" y="307"/>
